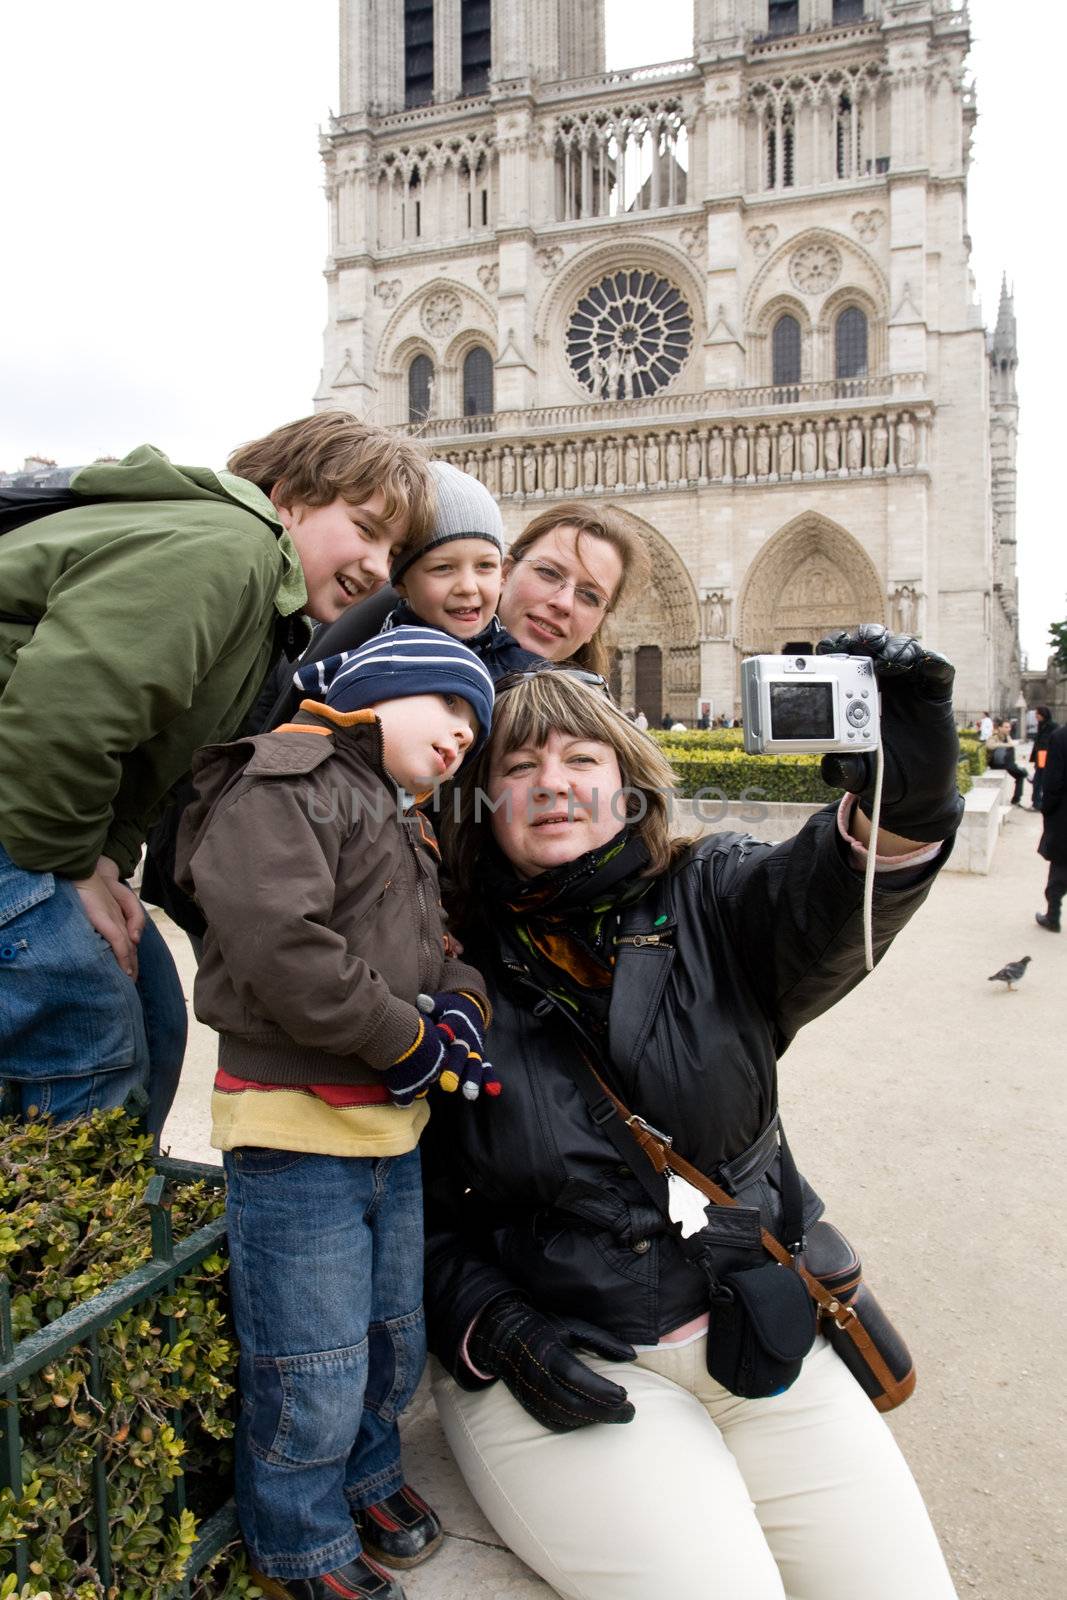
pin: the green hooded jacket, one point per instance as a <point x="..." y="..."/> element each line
<point x="157" y="613"/>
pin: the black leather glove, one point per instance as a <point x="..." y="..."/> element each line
<point x="531" y="1354"/>
<point x="920" y="799"/>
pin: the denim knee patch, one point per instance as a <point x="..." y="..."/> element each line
<point x="397" y="1360"/>
<point x="305" y="1409"/>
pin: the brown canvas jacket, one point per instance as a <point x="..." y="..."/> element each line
<point x="322" y="903"/>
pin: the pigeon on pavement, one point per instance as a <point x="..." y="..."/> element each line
<point x="1012" y="973"/>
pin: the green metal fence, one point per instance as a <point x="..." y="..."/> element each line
<point x="81" y="1326"/>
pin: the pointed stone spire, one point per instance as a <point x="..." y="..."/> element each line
<point x="1004" y="338"/>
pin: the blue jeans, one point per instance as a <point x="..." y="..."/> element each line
<point x="326" y="1287"/>
<point x="76" y="1034"/>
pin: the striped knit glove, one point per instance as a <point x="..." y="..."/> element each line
<point x="412" y="1074"/>
<point x="461" y="1016"/>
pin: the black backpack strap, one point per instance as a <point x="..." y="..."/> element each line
<point x="19" y="506"/>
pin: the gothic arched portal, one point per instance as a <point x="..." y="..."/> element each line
<point x="663" y="615"/>
<point x="809" y="579"/>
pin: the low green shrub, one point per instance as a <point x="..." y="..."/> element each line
<point x="972" y="751"/>
<point x="732" y="774"/>
<point x="716" y="761"/>
<point x="72" y="1222"/>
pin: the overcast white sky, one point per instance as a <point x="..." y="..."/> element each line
<point x="165" y="229"/>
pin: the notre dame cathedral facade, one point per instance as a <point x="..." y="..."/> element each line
<point x="730" y="295"/>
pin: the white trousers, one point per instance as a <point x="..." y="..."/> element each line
<point x="703" y="1496"/>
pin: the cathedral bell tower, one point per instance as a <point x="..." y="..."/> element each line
<point x="726" y="296"/>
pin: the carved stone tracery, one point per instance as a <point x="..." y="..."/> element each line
<point x="441" y="312"/>
<point x="629" y="335"/>
<point x="815" y="267"/>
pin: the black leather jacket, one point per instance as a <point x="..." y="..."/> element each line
<point x="726" y="956"/>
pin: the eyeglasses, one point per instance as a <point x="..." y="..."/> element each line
<point x="511" y="680"/>
<point x="552" y="581"/>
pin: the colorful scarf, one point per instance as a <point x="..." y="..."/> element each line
<point x="561" y="925"/>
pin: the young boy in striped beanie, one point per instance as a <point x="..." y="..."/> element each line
<point x="326" y="974"/>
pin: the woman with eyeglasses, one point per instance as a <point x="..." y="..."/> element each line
<point x="564" y="576"/>
<point x="570" y="1323"/>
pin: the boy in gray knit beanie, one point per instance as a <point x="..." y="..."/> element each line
<point x="452" y="580"/>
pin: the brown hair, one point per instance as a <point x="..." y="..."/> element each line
<point x="596" y="522"/>
<point x="524" y="715"/>
<point x="332" y="453"/>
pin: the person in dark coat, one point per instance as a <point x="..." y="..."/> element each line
<point x="1046" y="727"/>
<point x="1053" y="845"/>
<point x="580" y="1388"/>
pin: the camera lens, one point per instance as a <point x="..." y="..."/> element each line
<point x="801" y="663"/>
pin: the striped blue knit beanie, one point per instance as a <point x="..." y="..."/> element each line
<point x="394" y="665"/>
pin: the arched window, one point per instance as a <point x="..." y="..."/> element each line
<point x="850" y="344"/>
<point x="785" y="350"/>
<point x="420" y="389"/>
<point x="477" y="382"/>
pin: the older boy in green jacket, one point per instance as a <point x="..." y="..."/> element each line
<point x="140" y="626"/>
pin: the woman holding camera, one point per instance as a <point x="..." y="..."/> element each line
<point x="561" y="1300"/>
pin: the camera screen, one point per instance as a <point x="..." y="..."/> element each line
<point x="802" y="710"/>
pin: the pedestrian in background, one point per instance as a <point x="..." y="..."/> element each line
<point x="1053" y="845"/>
<point x="1039" y="752"/>
<point x="1000" y="751"/>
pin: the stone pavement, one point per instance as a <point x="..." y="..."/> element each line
<point x="924" y="1108"/>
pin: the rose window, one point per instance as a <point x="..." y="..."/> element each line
<point x="629" y="335"/>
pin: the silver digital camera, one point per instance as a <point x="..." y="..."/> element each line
<point x="796" y="704"/>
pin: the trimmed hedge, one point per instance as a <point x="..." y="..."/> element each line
<point x="715" y="760"/>
<point x="72" y="1222"/>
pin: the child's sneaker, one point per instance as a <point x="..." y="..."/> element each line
<point x="400" y="1530"/>
<point x="361" y="1579"/>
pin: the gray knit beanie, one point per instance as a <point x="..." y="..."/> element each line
<point x="465" y="510"/>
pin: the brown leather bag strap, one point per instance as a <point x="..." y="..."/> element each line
<point x="666" y="1159"/>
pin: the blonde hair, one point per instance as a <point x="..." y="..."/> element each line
<point x="524" y="714"/>
<point x="332" y="453"/>
<point x="594" y="522"/>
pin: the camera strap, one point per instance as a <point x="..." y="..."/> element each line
<point x="613" y="1117"/>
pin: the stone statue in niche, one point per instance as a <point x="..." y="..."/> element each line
<point x="785" y="453"/>
<point x="570" y="468"/>
<point x="906" y="608"/>
<point x="529" y="471"/>
<point x="589" y="467"/>
<point x="548" y="471"/>
<point x="763" y="453"/>
<point x="832" y="447"/>
<point x="714" y="615"/>
<point x="492" y="473"/>
<point x="854" y="447"/>
<point x="741" y="454"/>
<point x="879" y="444"/>
<point x="596" y="374"/>
<point x="674" y="459"/>
<point x="905" y="442"/>
<point x="651" y="460"/>
<point x="809" y="449"/>
<point x="473" y="465"/>
<point x="715" y="455"/>
<point x="631" y="463"/>
<point x="611" y="464"/>
<point x="629" y="373"/>
<point x="692" y="457"/>
<point x="431" y="396"/>
<point x="507" y="473"/>
<point x="612" y="364"/>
